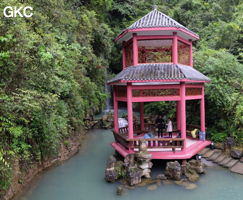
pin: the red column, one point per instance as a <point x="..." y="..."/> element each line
<point x="202" y="111"/>
<point x="175" y="49"/>
<point x="123" y="55"/>
<point x="183" y="112"/>
<point x="178" y="121"/>
<point x="129" y="111"/>
<point x="190" y="54"/>
<point x="142" y="115"/>
<point x="135" y="49"/>
<point x="115" y="102"/>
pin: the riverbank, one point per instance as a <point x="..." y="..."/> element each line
<point x="22" y="179"/>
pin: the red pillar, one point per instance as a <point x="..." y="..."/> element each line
<point x="142" y="115"/>
<point x="135" y="49"/>
<point x="178" y="121"/>
<point x="129" y="111"/>
<point x="115" y="102"/>
<point x="183" y="112"/>
<point x="202" y="111"/>
<point x="175" y="49"/>
<point x="123" y="55"/>
<point x="190" y="54"/>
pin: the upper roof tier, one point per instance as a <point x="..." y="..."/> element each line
<point x="156" y="23"/>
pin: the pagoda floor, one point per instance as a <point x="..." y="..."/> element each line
<point x="192" y="148"/>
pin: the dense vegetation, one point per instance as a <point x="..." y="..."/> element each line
<point x="53" y="68"/>
<point x="51" y="78"/>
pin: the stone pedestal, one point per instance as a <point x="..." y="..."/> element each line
<point x="144" y="160"/>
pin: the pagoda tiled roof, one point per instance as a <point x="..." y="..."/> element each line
<point x="157" y="72"/>
<point x="157" y="19"/>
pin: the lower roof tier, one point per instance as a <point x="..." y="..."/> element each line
<point x="158" y="72"/>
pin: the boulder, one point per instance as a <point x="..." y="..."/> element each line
<point x="110" y="173"/>
<point x="236" y="153"/>
<point x="192" y="169"/>
<point x="107" y="120"/>
<point x="192" y="175"/>
<point x="173" y="170"/>
<point x="133" y="176"/>
<point x="198" y="166"/>
<point x="114" y="170"/>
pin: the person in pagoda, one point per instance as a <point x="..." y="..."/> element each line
<point x="169" y="127"/>
<point x="160" y="123"/>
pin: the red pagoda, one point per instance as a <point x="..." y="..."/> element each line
<point x="158" y="66"/>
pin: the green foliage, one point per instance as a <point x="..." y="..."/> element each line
<point x="165" y="108"/>
<point x="224" y="93"/>
<point x="218" y="136"/>
<point x="52" y="76"/>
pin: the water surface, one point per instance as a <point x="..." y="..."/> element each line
<point x="82" y="178"/>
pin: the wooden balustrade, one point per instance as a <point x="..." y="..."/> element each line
<point x="158" y="143"/>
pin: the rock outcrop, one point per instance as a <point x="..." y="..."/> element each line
<point x="198" y="166"/>
<point x="111" y="174"/>
<point x="132" y="169"/>
<point x="173" y="170"/>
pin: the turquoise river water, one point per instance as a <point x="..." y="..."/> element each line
<point x="82" y="178"/>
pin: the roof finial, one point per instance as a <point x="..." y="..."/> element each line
<point x="155" y="7"/>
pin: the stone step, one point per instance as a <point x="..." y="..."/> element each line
<point x="225" y="161"/>
<point x="220" y="158"/>
<point x="210" y="153"/>
<point x="232" y="163"/>
<point x="205" y="150"/>
<point x="237" y="168"/>
<point x="215" y="156"/>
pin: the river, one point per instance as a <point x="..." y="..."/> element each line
<point x="82" y="178"/>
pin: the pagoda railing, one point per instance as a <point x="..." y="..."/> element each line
<point x="152" y="143"/>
